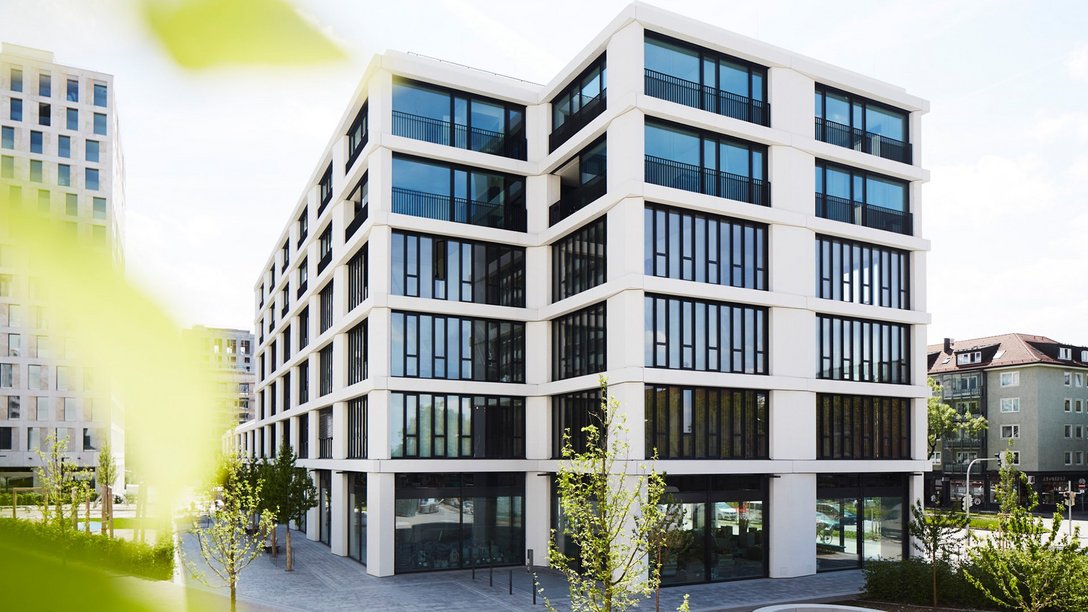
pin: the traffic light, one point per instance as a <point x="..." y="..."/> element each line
<point x="966" y="503"/>
<point x="1003" y="459"/>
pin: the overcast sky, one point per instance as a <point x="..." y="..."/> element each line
<point x="216" y="160"/>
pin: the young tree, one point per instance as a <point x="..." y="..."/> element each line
<point x="944" y="420"/>
<point x="290" y="493"/>
<point x="226" y="544"/>
<point x="57" y="481"/>
<point x="1029" y="567"/>
<point x="107" y="475"/>
<point x="611" y="517"/>
<point x="938" y="536"/>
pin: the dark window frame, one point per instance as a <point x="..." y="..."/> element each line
<point x="670" y="348"/>
<point x="578" y="118"/>
<point x="580" y="342"/>
<point x="735" y="423"/>
<point x="358" y="358"/>
<point x="860" y="139"/>
<point x="580" y="259"/>
<point x="407" y="269"/>
<point x="326" y="360"/>
<point x="359" y="277"/>
<point x="463" y="209"/>
<point x="871" y="358"/>
<point x="499" y="435"/>
<point x="856" y="209"/>
<point x="886" y="285"/>
<point x="693" y="256"/>
<point x="358" y="134"/>
<point x="492" y="358"/>
<point x="862" y="427"/>
<point x="357" y="427"/>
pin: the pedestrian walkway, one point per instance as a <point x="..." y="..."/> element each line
<point x="324" y="581"/>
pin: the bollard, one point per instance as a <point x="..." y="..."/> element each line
<point x="534" y="589"/>
<point x="490" y="574"/>
<point x="474" y="572"/>
<point x="511" y="582"/>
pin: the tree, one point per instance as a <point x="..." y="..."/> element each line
<point x="1026" y="565"/>
<point x="945" y="421"/>
<point x="938" y="536"/>
<point x="292" y="493"/>
<point x="227" y="545"/>
<point x="612" y="517"/>
<point x="59" y="487"/>
<point x="107" y="475"/>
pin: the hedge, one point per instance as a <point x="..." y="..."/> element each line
<point x="155" y="562"/>
<point x="911" y="582"/>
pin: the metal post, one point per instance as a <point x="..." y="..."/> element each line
<point x="511" y="582"/>
<point x="967" y="491"/>
<point x="490" y="574"/>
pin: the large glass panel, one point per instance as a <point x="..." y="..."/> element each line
<point x="886" y="193"/>
<point x="418" y="176"/>
<point x="734" y="79"/>
<point x="685" y="561"/>
<point x="357" y="517"/>
<point x="673" y="145"/>
<point x="886" y="123"/>
<point x="422" y="101"/>
<point x="737" y="543"/>
<point x="837" y="534"/>
<point x="672" y="59"/>
<point x="884" y="523"/>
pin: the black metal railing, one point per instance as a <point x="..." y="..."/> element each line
<point x="324" y="261"/>
<point x="690" y="93"/>
<point x="324" y="448"/>
<point x="858" y="213"/>
<point x="286" y="307"/>
<point x="690" y="177"/>
<point x="357" y="222"/>
<point x="301" y="289"/>
<point x="458" y="210"/>
<point x="576" y="198"/>
<point x="859" y="140"/>
<point x="589" y="111"/>
<point x="443" y="132"/>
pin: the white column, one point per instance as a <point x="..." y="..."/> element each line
<point x="313" y="530"/>
<point x="631" y="398"/>
<point x="538" y="121"/>
<point x="380" y="99"/>
<point x="625" y="70"/>
<point x="377" y="425"/>
<point x="790" y="94"/>
<point x="538" y="428"/>
<point x="626" y="239"/>
<point x="381" y="523"/>
<point x="338" y="530"/>
<point x="626" y="150"/>
<point x="538" y="507"/>
<point x="538" y="197"/>
<point x="793" y="425"/>
<point x="792" y="525"/>
<point x="626" y="331"/>
<point x="793" y="180"/>
<point x="340" y="430"/>
<point x="793" y="342"/>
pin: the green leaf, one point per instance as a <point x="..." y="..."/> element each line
<point x="207" y="33"/>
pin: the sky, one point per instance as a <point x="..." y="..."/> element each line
<point x="216" y="160"/>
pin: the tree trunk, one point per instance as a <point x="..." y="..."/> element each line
<point x="290" y="557"/>
<point x="233" y="594"/>
<point x="274" y="541"/>
<point x="933" y="566"/>
<point x="88" y="511"/>
<point x="109" y="504"/>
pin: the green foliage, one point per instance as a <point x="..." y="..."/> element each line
<point x="612" y="517"/>
<point x="910" y="582"/>
<point x="228" y="544"/>
<point x="938" y="536"/>
<point x="25" y="498"/>
<point x="945" y="421"/>
<point x="1025" y="565"/>
<point x="131" y="558"/>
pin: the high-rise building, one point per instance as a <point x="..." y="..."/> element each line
<point x="1033" y="393"/>
<point x="473" y="250"/>
<point x="228" y="354"/>
<point x="60" y="153"/>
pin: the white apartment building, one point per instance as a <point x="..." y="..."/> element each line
<point x="60" y="154"/>
<point x="472" y="251"/>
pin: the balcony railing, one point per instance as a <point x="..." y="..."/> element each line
<point x="324" y="261"/>
<point x="458" y="210"/>
<point x="324" y="448"/>
<point x="690" y="177"/>
<point x="357" y="222"/>
<point x="575" y="199"/>
<point x="354" y="153"/>
<point x="301" y="289"/>
<point x="442" y="132"/>
<point x="859" y="140"/>
<point x="589" y="111"/>
<point x="857" y="213"/>
<point x="690" y="93"/>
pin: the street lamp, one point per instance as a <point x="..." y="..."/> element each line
<point x="999" y="457"/>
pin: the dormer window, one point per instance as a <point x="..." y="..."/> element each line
<point x="969" y="358"/>
<point x="1084" y="355"/>
<point x="1065" y="353"/>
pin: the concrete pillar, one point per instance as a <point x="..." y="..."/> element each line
<point x="340" y="430"/>
<point x="793" y="179"/>
<point x="626" y="239"/>
<point x="538" y="120"/>
<point x="538" y="510"/>
<point x="538" y="264"/>
<point x="538" y="352"/>
<point x="788" y="91"/>
<point x="626" y="150"/>
<point x="626" y="330"/>
<point x="313" y="530"/>
<point x="626" y="74"/>
<point x="538" y="428"/>
<point x="537" y="200"/>
<point x="792" y="526"/>
<point x="793" y="342"/>
<point x="338" y="529"/>
<point x="377" y="425"/>
<point x="380" y="99"/>
<point x="792" y="265"/>
<point x="632" y="412"/>
<point x="381" y="523"/>
<point x="792" y="425"/>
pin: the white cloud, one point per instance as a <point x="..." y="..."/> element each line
<point x="1077" y="62"/>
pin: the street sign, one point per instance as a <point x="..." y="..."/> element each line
<point x="1082" y="484"/>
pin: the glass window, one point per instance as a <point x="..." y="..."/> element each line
<point x="36" y="142"/>
<point x="71" y="204"/>
<point x="357" y="353"/>
<point x="7" y="168"/>
<point x="584" y="92"/>
<point x="580" y="342"/>
<point x="16" y="79"/>
<point x="571" y="413"/>
<point x="433" y="114"/>
<point x="705" y="336"/>
<point x="7" y="137"/>
<point x="686" y="245"/>
<point x="862" y="350"/>
<point x="100" y="124"/>
<point x="73" y="91"/>
<point x="357" y="515"/>
<point x="459" y="194"/>
<point x="45" y="114"/>
<point x="15" y="112"/>
<point x="92" y="150"/>
<point x="863" y="273"/>
<point x="99" y="209"/>
<point x="424" y="425"/>
<point x="45" y="85"/>
<point x="64" y="175"/>
<point x="64" y="146"/>
<point x="706" y="423"/>
<point x="358" y="278"/>
<point x="91" y="178"/>
<point x="357" y="137"/>
<point x="705" y="162"/>
<point x="857" y="123"/>
<point x="100" y="94"/>
<point x="457" y="348"/>
<point x="579" y="260"/>
<point x="437" y="267"/>
<point x="862" y="427"/>
<point x="72" y="118"/>
<point x="35" y="170"/>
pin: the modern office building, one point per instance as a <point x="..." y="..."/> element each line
<point x="60" y="154"/>
<point x="1032" y="391"/>
<point x="228" y="354"/>
<point x="473" y="250"/>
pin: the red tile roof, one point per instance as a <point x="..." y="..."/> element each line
<point x="999" y="351"/>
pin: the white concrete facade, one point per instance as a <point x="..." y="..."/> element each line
<point x="60" y="154"/>
<point x="791" y="464"/>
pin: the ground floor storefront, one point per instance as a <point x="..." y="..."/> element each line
<point x="947" y="491"/>
<point x="727" y="527"/>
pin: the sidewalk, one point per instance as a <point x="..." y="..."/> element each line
<point x="324" y="581"/>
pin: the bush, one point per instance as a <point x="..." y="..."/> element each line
<point x="910" y="582"/>
<point x="143" y="560"/>
<point x="25" y="499"/>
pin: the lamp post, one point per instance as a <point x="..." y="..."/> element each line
<point x="1000" y="457"/>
